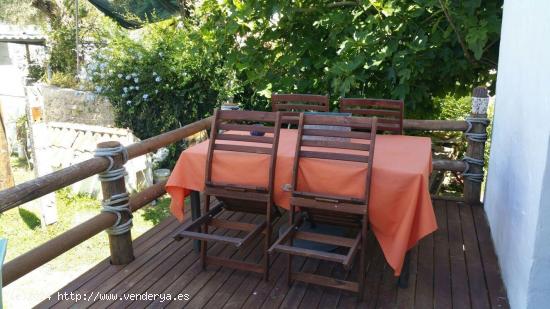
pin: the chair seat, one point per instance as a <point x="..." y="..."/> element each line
<point x="331" y="206"/>
<point x="232" y="192"/>
<point x="192" y="229"/>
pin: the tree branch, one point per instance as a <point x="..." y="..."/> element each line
<point x="48" y="8"/>
<point x="457" y="33"/>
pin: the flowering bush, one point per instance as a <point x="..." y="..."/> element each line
<point x="161" y="81"/>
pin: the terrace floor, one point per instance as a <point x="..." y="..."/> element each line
<point x="456" y="267"/>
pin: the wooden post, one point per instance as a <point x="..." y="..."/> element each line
<point x="477" y="136"/>
<point x="122" y="251"/>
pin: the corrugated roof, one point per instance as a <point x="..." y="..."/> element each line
<point x="21" y="35"/>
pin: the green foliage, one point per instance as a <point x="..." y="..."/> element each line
<point x="158" y="212"/>
<point x="64" y="80"/>
<point x="166" y="79"/>
<point x="36" y="71"/>
<point x="416" y="50"/>
<point x="20" y="12"/>
<point x="63" y="46"/>
<point x="62" y="34"/>
<point x="452" y="108"/>
<point x="409" y="50"/>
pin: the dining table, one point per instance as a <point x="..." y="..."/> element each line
<point x="400" y="209"/>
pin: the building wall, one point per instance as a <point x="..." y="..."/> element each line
<point x="12" y="92"/>
<point x="69" y="105"/>
<point x="517" y="194"/>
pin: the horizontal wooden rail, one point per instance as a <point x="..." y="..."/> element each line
<point x="435" y="125"/>
<point x="53" y="248"/>
<point x="156" y="142"/>
<point x="33" y="189"/>
<point x="449" y="165"/>
<point x="38" y="187"/>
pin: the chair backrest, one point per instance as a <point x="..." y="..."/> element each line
<point x="360" y="139"/>
<point x="291" y="105"/>
<point x="389" y="112"/>
<point x="239" y="126"/>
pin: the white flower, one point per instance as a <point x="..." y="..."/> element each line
<point x="158" y="79"/>
<point x="137" y="87"/>
<point x="136" y="80"/>
<point x="128" y="77"/>
<point x="145" y="96"/>
<point x="125" y="89"/>
<point x="134" y="74"/>
<point x="119" y="75"/>
<point x="102" y="65"/>
<point x="98" y="89"/>
<point x="161" y="54"/>
<point x="154" y="73"/>
<point x="131" y="87"/>
<point x="156" y="91"/>
<point x="128" y="102"/>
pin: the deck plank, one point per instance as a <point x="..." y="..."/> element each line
<point x="425" y="271"/>
<point x="242" y="284"/>
<point x="252" y="253"/>
<point x="168" y="270"/>
<point x="405" y="297"/>
<point x="454" y="267"/>
<point x="195" y="278"/>
<point x="89" y="286"/>
<point x="459" y="284"/>
<point x="493" y="277"/>
<point x="442" y="267"/>
<point x="476" y="278"/>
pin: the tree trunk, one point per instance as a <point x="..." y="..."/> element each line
<point x="6" y="177"/>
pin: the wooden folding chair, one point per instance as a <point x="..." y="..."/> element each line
<point x="389" y="112"/>
<point x="330" y="209"/>
<point x="291" y="105"/>
<point x="234" y="197"/>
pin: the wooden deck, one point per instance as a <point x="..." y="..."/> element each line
<point x="456" y="267"/>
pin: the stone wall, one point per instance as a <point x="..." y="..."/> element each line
<point x="73" y="106"/>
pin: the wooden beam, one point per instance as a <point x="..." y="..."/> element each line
<point x="120" y="246"/>
<point x="41" y="186"/>
<point x="156" y="142"/>
<point x="448" y="165"/>
<point x="476" y="150"/>
<point x="53" y="248"/>
<point x="435" y="125"/>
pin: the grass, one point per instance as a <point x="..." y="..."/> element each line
<point x="22" y="227"/>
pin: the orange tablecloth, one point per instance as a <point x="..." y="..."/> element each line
<point x="400" y="208"/>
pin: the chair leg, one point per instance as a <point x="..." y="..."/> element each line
<point x="362" y="262"/>
<point x="267" y="241"/>
<point x="266" y="256"/>
<point x="205" y="227"/>
<point x="291" y="242"/>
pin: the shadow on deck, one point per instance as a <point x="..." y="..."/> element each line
<point x="454" y="267"/>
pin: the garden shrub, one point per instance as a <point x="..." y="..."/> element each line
<point x="63" y="80"/>
<point x="164" y="80"/>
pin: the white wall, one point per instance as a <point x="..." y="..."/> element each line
<point x="517" y="197"/>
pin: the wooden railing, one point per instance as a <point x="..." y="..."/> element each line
<point x="121" y="245"/>
<point x="41" y="186"/>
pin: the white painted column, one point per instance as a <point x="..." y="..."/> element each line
<point x="40" y="148"/>
<point x="517" y="198"/>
